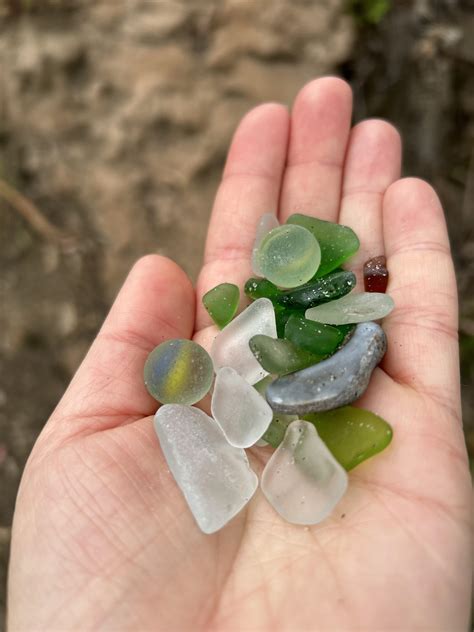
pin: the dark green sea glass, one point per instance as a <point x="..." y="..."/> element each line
<point x="279" y="356"/>
<point x="317" y="292"/>
<point x="337" y="242"/>
<point x="282" y="314"/>
<point x="351" y="434"/>
<point x="312" y="336"/>
<point x="222" y="302"/>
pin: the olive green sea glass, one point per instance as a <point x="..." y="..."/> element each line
<point x="320" y="291"/>
<point x="337" y="242"/>
<point x="312" y="336"/>
<point x="351" y="434"/>
<point x="289" y="256"/>
<point x="279" y="356"/>
<point x="222" y="302"/>
<point x="178" y="372"/>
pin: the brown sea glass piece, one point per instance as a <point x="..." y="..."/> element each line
<point x="376" y="274"/>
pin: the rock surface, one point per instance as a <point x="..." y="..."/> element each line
<point x="334" y="382"/>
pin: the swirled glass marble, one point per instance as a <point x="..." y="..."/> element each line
<point x="178" y="372"/>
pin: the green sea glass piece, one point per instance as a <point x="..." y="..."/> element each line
<point x="178" y="372"/>
<point x="312" y="336"/>
<point x="279" y="356"/>
<point x="337" y="242"/>
<point x="328" y="288"/>
<point x="351" y="434"/>
<point x="282" y="314"/>
<point x="276" y="430"/>
<point x="261" y="288"/>
<point x="222" y="302"/>
<point x="289" y="256"/>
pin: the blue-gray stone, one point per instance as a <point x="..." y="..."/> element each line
<point x="335" y="382"/>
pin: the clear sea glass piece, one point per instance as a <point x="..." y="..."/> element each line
<point x="241" y="412"/>
<point x="231" y="345"/>
<point x="289" y="256"/>
<point x="353" y="308"/>
<point x="302" y="480"/>
<point x="266" y="223"/>
<point x="214" y="477"/>
<point x="178" y="372"/>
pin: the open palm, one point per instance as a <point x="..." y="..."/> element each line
<point x="102" y="537"/>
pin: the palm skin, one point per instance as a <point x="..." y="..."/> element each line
<point x="102" y="537"/>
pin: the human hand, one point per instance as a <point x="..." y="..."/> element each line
<point x="102" y="537"/>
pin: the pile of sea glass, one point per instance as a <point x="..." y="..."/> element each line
<point x="283" y="372"/>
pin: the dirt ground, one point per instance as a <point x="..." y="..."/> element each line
<point x="114" y="122"/>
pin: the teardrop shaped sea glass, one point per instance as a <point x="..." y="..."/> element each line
<point x="302" y="480"/>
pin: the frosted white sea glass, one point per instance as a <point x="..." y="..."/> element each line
<point x="214" y="476"/>
<point x="231" y="345"/>
<point x="241" y="412"/>
<point x="302" y="480"/>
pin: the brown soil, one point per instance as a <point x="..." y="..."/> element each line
<point x="114" y="122"/>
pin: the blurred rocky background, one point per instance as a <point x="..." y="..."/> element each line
<point x="115" y="116"/>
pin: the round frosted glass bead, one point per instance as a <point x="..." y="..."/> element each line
<point x="289" y="256"/>
<point x="178" y="372"/>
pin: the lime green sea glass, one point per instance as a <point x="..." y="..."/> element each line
<point x="320" y="291"/>
<point x="289" y="256"/>
<point x="351" y="434"/>
<point x="280" y="356"/>
<point x="311" y="336"/>
<point x="178" y="372"/>
<point x="337" y="242"/>
<point x="222" y="302"/>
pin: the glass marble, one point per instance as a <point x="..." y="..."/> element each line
<point x="178" y="371"/>
<point x="289" y="256"/>
<point x="337" y="242"/>
<point x="222" y="302"/>
<point x="353" y="308"/>
<point x="302" y="480"/>
<point x="351" y="434"/>
<point x="214" y="477"/>
<point x="279" y="356"/>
